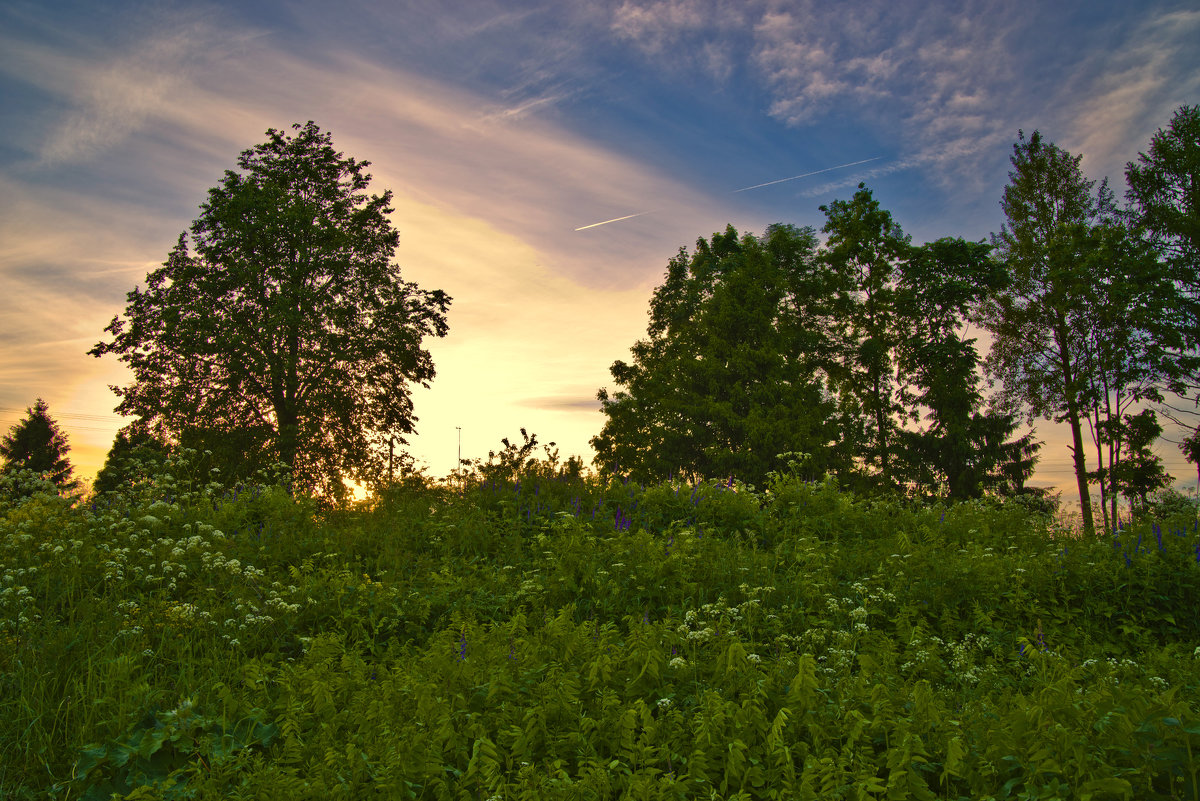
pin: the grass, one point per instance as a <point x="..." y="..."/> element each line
<point x="556" y="638"/>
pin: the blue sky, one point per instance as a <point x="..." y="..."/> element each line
<point x="501" y="127"/>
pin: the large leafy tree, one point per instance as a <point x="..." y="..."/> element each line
<point x="1164" y="187"/>
<point x="1038" y="322"/>
<point x="283" y="318"/>
<point x="37" y="443"/>
<point x="863" y="251"/>
<point x="1127" y="355"/>
<point x="730" y="374"/>
<point x="965" y="448"/>
<point x="1164" y="192"/>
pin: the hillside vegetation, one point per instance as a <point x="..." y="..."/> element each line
<point x="552" y="637"/>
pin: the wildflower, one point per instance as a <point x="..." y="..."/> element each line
<point x="462" y="645"/>
<point x="679" y="661"/>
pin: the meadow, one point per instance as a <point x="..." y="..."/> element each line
<point x="559" y="638"/>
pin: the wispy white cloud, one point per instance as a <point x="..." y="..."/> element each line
<point x="1127" y="93"/>
<point x="111" y="92"/>
<point x="952" y="83"/>
<point x="652" y="26"/>
<point x="938" y="77"/>
<point x="688" y="34"/>
<point x="486" y="203"/>
<point x="524" y="108"/>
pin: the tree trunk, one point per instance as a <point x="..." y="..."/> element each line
<point x="1071" y="396"/>
<point x="289" y="441"/>
<point x="1085" y="498"/>
<point x="1095" y="423"/>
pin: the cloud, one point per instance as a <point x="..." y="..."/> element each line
<point x="937" y="76"/>
<point x="485" y="201"/>
<point x="684" y="35"/>
<point x="524" y="108"/>
<point x="112" y="91"/>
<point x="654" y="25"/>
<point x="955" y="83"/>
<point x="1131" y="91"/>
<point x="564" y="403"/>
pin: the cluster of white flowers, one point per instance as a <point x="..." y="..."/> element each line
<point x="17" y="608"/>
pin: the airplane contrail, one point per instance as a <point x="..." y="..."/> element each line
<point x="805" y="175"/>
<point x="615" y="219"/>
<point x="735" y="191"/>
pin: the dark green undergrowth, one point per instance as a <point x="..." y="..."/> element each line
<point x="559" y="638"/>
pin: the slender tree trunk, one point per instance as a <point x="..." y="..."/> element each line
<point x="1114" y="455"/>
<point x="1085" y="498"/>
<point x="1071" y="396"/>
<point x="880" y="430"/>
<point x="1095" y="425"/>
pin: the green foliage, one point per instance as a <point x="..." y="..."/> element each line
<point x="731" y="371"/>
<point x="1140" y="472"/>
<point x="1039" y="320"/>
<point x="1164" y="191"/>
<point x="1163" y="188"/>
<point x="165" y="752"/>
<point x="36" y="443"/>
<point x="864" y="248"/>
<point x="519" y="462"/>
<point x="965" y="449"/>
<point x="560" y="637"/>
<point x="135" y="453"/>
<point x="288" y="330"/>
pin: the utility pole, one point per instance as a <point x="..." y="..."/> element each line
<point x="458" y="463"/>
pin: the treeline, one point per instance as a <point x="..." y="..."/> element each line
<point x="279" y="331"/>
<point x="857" y="354"/>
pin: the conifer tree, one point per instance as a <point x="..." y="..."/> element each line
<point x="36" y="443"/>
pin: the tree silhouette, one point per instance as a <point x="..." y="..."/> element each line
<point x="36" y="443"/>
<point x="134" y="452"/>
<point x="730" y="374"/>
<point x="288" y="326"/>
<point x="864" y="251"/>
<point x="1039" y="320"/>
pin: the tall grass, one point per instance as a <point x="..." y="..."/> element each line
<point x="562" y="638"/>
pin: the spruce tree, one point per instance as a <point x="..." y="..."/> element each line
<point x="36" y="443"/>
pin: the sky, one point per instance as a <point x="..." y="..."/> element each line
<point x="503" y="127"/>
